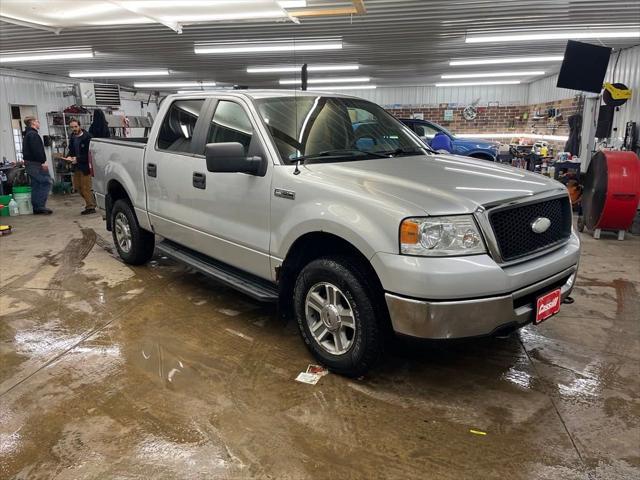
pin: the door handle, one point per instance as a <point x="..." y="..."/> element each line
<point x="152" y="169"/>
<point x="199" y="180"/>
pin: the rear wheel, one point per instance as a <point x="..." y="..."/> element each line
<point x="135" y="245"/>
<point x="337" y="317"/>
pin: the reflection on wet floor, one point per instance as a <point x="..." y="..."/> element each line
<point x="156" y="372"/>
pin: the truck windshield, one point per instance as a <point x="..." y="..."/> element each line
<point x="331" y="129"/>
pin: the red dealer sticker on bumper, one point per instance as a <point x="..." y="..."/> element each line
<point x="547" y="305"/>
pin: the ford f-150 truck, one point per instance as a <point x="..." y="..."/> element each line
<point x="330" y="206"/>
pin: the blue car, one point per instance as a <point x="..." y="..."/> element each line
<point x="469" y="147"/>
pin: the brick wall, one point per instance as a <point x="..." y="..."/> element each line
<point x="497" y="119"/>
<point x="501" y="118"/>
<point x="557" y="126"/>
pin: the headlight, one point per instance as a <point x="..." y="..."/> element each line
<point x="441" y="236"/>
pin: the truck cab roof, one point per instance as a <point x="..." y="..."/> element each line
<point x="259" y="94"/>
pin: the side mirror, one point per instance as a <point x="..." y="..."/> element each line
<point x="229" y="157"/>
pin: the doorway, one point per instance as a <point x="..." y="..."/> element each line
<point x="18" y="113"/>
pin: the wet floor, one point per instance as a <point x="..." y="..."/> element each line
<point x="108" y="371"/>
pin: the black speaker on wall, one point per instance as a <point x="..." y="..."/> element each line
<point x="584" y="67"/>
<point x="605" y="121"/>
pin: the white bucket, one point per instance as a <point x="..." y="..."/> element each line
<point x="24" y="203"/>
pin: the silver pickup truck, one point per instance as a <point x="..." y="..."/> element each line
<point x="328" y="205"/>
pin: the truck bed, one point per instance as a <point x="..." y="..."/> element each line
<point x="121" y="160"/>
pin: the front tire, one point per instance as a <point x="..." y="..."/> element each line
<point x="338" y="315"/>
<point x="135" y="245"/>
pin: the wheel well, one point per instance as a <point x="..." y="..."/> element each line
<point x="115" y="192"/>
<point x="482" y="156"/>
<point x="306" y="249"/>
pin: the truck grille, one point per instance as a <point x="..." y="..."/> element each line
<point x="513" y="232"/>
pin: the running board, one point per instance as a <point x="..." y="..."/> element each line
<point x="249" y="284"/>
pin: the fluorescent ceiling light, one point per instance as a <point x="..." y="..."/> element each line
<point x="80" y="11"/>
<point x="470" y="84"/>
<point x="554" y="36"/>
<point x="297" y="69"/>
<point x="495" y="61"/>
<point x="172" y="4"/>
<point x="119" y="73"/>
<point x="120" y="21"/>
<point x="222" y="17"/>
<point x="276" y="47"/>
<point x="292" y="3"/>
<point x="344" y="87"/>
<point x="173" y="84"/>
<point x="44" y="56"/>
<point x="295" y="81"/>
<point x="495" y="74"/>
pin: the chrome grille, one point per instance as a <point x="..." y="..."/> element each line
<point x="514" y="234"/>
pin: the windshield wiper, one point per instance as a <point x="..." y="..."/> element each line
<point x="402" y="150"/>
<point x="347" y="152"/>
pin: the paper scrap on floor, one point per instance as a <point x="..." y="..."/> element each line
<point x="317" y="369"/>
<point x="310" y="378"/>
<point x="313" y="374"/>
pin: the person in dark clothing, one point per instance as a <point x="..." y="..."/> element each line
<point x="99" y="127"/>
<point x="575" y="129"/>
<point x="35" y="161"/>
<point x="78" y="156"/>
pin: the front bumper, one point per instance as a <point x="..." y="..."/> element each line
<point x="476" y="317"/>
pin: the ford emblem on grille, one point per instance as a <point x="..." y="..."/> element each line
<point x="540" y="224"/>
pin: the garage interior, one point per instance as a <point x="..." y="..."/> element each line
<point x="110" y="370"/>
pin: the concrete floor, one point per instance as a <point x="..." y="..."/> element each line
<point x="108" y="371"/>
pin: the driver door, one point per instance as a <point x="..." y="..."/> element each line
<point x="233" y="209"/>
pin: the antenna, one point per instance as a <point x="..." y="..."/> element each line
<point x="304" y="77"/>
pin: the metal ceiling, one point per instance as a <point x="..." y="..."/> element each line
<point x="397" y="42"/>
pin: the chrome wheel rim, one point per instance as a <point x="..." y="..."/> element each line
<point x="123" y="232"/>
<point x="330" y="318"/>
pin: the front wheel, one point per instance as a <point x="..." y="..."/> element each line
<point x="337" y="315"/>
<point x="135" y="245"/>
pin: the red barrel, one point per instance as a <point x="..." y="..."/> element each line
<point x="611" y="190"/>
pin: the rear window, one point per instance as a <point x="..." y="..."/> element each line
<point x="178" y="126"/>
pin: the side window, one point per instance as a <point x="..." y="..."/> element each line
<point x="425" y="131"/>
<point x="176" y="132"/>
<point x="230" y="123"/>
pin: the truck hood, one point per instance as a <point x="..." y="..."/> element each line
<point x="436" y="184"/>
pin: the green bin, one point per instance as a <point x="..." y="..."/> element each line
<point x="4" y="200"/>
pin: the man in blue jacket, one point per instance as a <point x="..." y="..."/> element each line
<point x="35" y="161"/>
<point x="79" y="156"/>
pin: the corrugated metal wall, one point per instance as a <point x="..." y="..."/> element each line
<point x="44" y="95"/>
<point x="545" y="90"/>
<point x="627" y="71"/>
<point x="430" y="95"/>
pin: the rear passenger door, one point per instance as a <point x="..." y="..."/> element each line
<point x="169" y="166"/>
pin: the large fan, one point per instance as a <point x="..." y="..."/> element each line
<point x="611" y="192"/>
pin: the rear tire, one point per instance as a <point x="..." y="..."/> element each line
<point x="135" y="245"/>
<point x="339" y="316"/>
